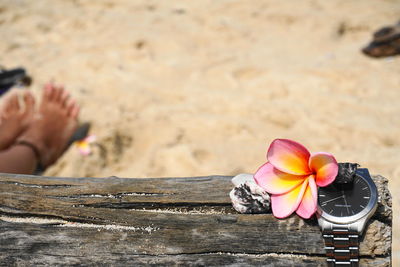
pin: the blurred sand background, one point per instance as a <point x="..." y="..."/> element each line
<point x="191" y="88"/>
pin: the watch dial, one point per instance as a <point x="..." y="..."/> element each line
<point x="343" y="200"/>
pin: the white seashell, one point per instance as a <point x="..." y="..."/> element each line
<point x="247" y="196"/>
<point x="242" y="178"/>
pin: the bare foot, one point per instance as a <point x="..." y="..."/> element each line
<point x="54" y="124"/>
<point x="14" y="118"/>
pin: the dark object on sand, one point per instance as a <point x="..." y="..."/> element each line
<point x="80" y="133"/>
<point x="385" y="43"/>
<point x="13" y="77"/>
<point x="346" y="172"/>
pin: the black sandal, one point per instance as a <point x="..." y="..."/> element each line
<point x="385" y="42"/>
<point x="13" y="77"/>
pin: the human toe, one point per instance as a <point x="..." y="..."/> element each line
<point x="73" y="109"/>
<point x="29" y="102"/>
<point x="49" y="91"/>
<point x="75" y="112"/>
<point x="59" y="93"/>
<point x="64" y="98"/>
<point x="12" y="105"/>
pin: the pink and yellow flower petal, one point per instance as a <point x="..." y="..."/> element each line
<point x="90" y="138"/>
<point x="274" y="181"/>
<point x="83" y="147"/>
<point x="289" y="156"/>
<point x="285" y="204"/>
<point x="308" y="205"/>
<point x="325" y="167"/>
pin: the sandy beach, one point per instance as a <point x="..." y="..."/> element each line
<point x="192" y="88"/>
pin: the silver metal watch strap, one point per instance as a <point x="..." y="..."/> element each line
<point x="341" y="245"/>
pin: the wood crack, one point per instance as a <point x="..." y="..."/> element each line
<point x="64" y="223"/>
<point x="25" y="217"/>
<point x="37" y="185"/>
<point x="176" y="207"/>
<point x="116" y="196"/>
<point x="249" y="254"/>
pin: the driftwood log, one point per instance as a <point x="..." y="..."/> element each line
<point x="166" y="221"/>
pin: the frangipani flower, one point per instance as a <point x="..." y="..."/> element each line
<point x="83" y="145"/>
<point x="292" y="175"/>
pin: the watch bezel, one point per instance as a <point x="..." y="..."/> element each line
<point x="363" y="174"/>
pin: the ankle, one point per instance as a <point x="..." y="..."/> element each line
<point x="33" y="147"/>
<point x="35" y="141"/>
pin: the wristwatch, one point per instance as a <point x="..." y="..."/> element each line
<point x="343" y="211"/>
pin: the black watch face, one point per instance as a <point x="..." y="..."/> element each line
<point x="343" y="200"/>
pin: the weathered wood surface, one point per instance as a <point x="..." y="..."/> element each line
<point x="166" y="221"/>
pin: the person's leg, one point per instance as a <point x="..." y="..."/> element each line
<point x="46" y="137"/>
<point x="50" y="131"/>
<point x="14" y="119"/>
<point x="18" y="159"/>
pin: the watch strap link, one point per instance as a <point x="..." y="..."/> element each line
<point x="341" y="245"/>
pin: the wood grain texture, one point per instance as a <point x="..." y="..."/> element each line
<point x="166" y="221"/>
